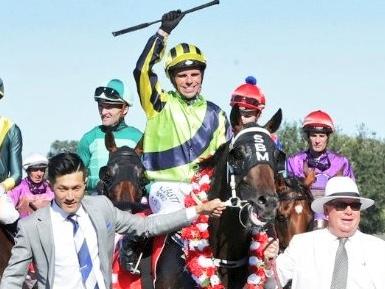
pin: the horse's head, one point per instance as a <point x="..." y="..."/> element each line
<point x="252" y="167"/>
<point x="294" y="214"/>
<point x="123" y="178"/>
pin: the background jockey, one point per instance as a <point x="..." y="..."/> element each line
<point x="317" y="128"/>
<point x="247" y="102"/>
<point x="34" y="191"/>
<point x="11" y="144"/>
<point x="113" y="104"/>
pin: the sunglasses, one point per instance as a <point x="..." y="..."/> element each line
<point x="341" y="206"/>
<point x="107" y="91"/>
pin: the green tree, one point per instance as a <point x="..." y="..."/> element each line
<point x="367" y="156"/>
<point x="59" y="146"/>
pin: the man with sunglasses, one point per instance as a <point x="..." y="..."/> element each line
<point x="113" y="105"/>
<point x="11" y="143"/>
<point x="317" y="159"/>
<point x="339" y="254"/>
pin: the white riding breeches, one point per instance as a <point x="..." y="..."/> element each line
<point x="165" y="197"/>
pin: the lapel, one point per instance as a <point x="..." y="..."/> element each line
<point x="99" y="224"/>
<point x="44" y="229"/>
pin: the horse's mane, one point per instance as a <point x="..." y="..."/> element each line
<point x="218" y="162"/>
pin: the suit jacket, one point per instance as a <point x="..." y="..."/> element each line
<point x="34" y="240"/>
<point x="309" y="260"/>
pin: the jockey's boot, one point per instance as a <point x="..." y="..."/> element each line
<point x="131" y="253"/>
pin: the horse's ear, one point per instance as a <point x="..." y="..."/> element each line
<point x="139" y="147"/>
<point x="109" y="141"/>
<point x="273" y="124"/>
<point x="309" y="173"/>
<point x="280" y="183"/>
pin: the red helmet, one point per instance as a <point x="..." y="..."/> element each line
<point x="248" y="95"/>
<point x="318" y="121"/>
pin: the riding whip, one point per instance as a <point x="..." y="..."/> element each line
<point x="144" y="25"/>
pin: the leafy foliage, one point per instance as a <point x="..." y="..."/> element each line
<point x="367" y="156"/>
<point x="59" y="146"/>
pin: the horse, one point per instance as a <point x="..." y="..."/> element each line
<point x="244" y="177"/>
<point x="7" y="242"/>
<point x="294" y="214"/>
<point x="123" y="181"/>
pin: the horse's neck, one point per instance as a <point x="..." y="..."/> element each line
<point x="228" y="239"/>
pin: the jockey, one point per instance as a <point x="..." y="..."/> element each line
<point x="182" y="126"/>
<point x="113" y="104"/>
<point x="11" y="143"/>
<point x="34" y="191"/>
<point x="247" y="102"/>
<point x="317" y="128"/>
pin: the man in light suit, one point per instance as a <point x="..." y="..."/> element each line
<point x="47" y="236"/>
<point x="310" y="259"/>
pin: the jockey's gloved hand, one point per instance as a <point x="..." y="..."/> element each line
<point x="170" y="20"/>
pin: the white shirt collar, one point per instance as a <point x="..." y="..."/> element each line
<point x="61" y="214"/>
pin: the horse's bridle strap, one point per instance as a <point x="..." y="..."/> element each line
<point x="230" y="264"/>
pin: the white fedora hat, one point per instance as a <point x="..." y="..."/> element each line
<point x="340" y="188"/>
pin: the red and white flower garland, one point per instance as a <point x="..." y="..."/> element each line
<point x="198" y="254"/>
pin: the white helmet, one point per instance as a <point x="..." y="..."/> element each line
<point x="36" y="161"/>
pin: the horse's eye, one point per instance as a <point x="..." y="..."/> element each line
<point x="237" y="154"/>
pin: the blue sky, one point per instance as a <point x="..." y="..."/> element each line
<point x="305" y="54"/>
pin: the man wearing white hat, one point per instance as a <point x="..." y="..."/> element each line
<point x="339" y="256"/>
<point x="113" y="104"/>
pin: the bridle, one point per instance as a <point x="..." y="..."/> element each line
<point x="294" y="191"/>
<point x="108" y="179"/>
<point x="261" y="138"/>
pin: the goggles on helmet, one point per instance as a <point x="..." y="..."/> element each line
<point x="317" y="129"/>
<point x="108" y="92"/>
<point x="248" y="102"/>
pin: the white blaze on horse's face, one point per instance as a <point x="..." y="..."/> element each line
<point x="111" y="113"/>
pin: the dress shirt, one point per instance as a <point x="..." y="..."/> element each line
<point x="67" y="271"/>
<point x="309" y="261"/>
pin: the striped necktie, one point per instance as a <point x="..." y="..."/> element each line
<point x="85" y="261"/>
<point x="340" y="272"/>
